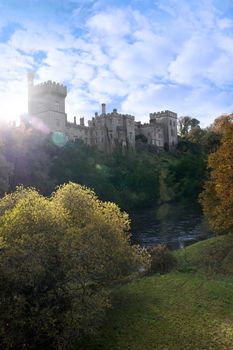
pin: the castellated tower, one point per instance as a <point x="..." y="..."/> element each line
<point x="46" y="102"/>
<point x="168" y="120"/>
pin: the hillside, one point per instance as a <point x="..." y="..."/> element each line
<point x="177" y="311"/>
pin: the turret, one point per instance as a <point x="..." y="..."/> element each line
<point x="46" y="102"/>
<point x="103" y="108"/>
<point x="82" y="121"/>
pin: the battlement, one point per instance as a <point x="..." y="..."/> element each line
<point x="148" y="125"/>
<point x="49" y="87"/>
<point x="115" y="114"/>
<point x="161" y="114"/>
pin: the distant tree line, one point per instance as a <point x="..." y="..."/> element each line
<point x="132" y="180"/>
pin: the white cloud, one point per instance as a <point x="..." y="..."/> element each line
<point x="180" y="99"/>
<point x="112" y="23"/>
<point x="176" y="56"/>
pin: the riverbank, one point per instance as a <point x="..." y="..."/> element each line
<point x="185" y="309"/>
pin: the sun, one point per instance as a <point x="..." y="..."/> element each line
<point x="13" y="105"/>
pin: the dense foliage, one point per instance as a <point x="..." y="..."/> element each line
<point x="217" y="197"/>
<point x="59" y="258"/>
<point x="138" y="179"/>
<point x="131" y="180"/>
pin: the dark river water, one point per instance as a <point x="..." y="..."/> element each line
<point x="174" y="225"/>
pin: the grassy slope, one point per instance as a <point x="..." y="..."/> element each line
<point x="214" y="255"/>
<point x="177" y="311"/>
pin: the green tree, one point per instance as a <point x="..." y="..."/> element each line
<point x="186" y="177"/>
<point x="131" y="180"/>
<point x="30" y="153"/>
<point x="5" y="173"/>
<point x="59" y="259"/>
<point x="186" y="124"/>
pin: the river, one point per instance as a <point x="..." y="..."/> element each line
<point x="172" y="224"/>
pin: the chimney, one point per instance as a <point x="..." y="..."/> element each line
<point x="75" y="121"/>
<point x="82" y="121"/>
<point x="103" y="108"/>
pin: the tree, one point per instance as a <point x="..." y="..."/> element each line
<point x="186" y="124"/>
<point x="30" y="153"/>
<point x="5" y="173"/>
<point x="186" y="175"/>
<point x="59" y="258"/>
<point x="220" y="123"/>
<point x="217" y="197"/>
<point x="131" y="180"/>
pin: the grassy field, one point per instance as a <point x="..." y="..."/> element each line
<point x="178" y="311"/>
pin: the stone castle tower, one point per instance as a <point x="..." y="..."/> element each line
<point x="168" y="121"/>
<point x="46" y="102"/>
<point x="106" y="131"/>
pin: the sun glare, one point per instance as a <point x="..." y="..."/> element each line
<point x="13" y="106"/>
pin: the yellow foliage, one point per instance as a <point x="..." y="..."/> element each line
<point x="217" y="197"/>
<point x="59" y="258"/>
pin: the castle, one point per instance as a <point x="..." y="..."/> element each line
<point x="106" y="131"/>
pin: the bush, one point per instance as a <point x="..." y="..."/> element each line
<point x="162" y="259"/>
<point x="59" y="258"/>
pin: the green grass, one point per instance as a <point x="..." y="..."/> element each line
<point x="214" y="255"/>
<point x="178" y="311"/>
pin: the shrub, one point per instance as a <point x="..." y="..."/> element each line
<point x="58" y="259"/>
<point x="162" y="259"/>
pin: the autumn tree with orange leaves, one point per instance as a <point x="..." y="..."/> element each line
<point x="217" y="197"/>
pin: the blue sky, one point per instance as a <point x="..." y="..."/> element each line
<point x="138" y="56"/>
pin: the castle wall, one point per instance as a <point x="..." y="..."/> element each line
<point x="111" y="130"/>
<point x="154" y="133"/>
